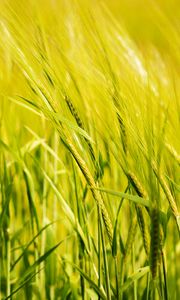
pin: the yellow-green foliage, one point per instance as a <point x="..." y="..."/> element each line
<point x="89" y="127"/>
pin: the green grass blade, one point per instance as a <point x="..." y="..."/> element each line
<point x="136" y="199"/>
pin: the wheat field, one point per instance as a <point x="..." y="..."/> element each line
<point x="89" y="149"/>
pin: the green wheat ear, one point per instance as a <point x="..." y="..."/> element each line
<point x="96" y="194"/>
<point x="144" y="228"/>
<point x="173" y="152"/>
<point x="141" y="212"/>
<point x="79" y="122"/>
<point x="155" y="242"/>
<point x="169" y="196"/>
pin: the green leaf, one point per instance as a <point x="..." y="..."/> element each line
<point x="95" y="287"/>
<point x="66" y="208"/>
<point x="135" y="276"/>
<point x="29" y="244"/>
<point x="130" y="197"/>
<point x="41" y="259"/>
<point x="21" y="285"/>
<point x="114" y="242"/>
<point x="30" y="193"/>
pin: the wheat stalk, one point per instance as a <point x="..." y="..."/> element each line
<point x="130" y="238"/>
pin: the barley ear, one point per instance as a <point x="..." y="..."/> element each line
<point x="96" y="194"/>
<point x="155" y="242"/>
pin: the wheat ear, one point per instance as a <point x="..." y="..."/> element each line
<point x="96" y="194"/>
<point x="168" y="194"/>
<point x="173" y="152"/>
<point x="79" y="122"/>
<point x="155" y="242"/>
<point x="140" y="210"/>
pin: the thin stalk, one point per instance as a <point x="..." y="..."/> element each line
<point x="52" y="287"/>
<point x="8" y="262"/>
<point x="52" y="292"/>
<point x="99" y="251"/>
<point x="106" y="269"/>
<point x="148" y="286"/>
<point x="44" y="209"/>
<point x="122" y="276"/>
<point x="56" y="139"/>
<point x="161" y="290"/>
<point x="80" y="217"/>
<point x="117" y="278"/>
<point x="115" y="254"/>
<point x="134" y="268"/>
<point x="165" y="277"/>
